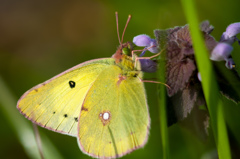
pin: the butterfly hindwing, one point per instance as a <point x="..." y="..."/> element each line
<point x="114" y="119"/>
<point x="56" y="103"/>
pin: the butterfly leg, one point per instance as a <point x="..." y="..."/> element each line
<point x="156" y="82"/>
<point x="143" y="50"/>
<point x="147" y="58"/>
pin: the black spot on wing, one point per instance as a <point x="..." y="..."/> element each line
<point x="76" y="119"/>
<point x="65" y="115"/>
<point x="54" y="112"/>
<point x="72" y="84"/>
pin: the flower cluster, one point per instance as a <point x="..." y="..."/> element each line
<point x="185" y="94"/>
<point x="143" y="40"/>
<point x="221" y="52"/>
<point x="223" y="49"/>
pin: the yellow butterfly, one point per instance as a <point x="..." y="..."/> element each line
<point x="102" y="102"/>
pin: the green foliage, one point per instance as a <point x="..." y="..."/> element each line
<point x="162" y="100"/>
<point x="21" y="127"/>
<point x="210" y="87"/>
<point x="38" y="43"/>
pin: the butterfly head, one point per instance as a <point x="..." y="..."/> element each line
<point x="125" y="49"/>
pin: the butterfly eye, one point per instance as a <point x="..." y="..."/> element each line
<point x="126" y="51"/>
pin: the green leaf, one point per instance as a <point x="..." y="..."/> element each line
<point x="21" y="127"/>
<point x="210" y="87"/>
<point x="162" y="101"/>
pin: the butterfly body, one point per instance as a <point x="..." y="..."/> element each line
<point x="102" y="102"/>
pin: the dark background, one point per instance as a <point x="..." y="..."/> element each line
<point x="39" y="39"/>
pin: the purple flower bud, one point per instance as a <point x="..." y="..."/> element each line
<point x="233" y="30"/>
<point x="148" y="65"/>
<point x="221" y="52"/>
<point x="142" y="40"/>
<point x="230" y="64"/>
<point x="199" y="77"/>
<point x="229" y="35"/>
<point x="153" y="49"/>
<point x="145" y="40"/>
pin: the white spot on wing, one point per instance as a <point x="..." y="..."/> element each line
<point x="106" y="116"/>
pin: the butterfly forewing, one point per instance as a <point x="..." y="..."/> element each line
<point x="56" y="103"/>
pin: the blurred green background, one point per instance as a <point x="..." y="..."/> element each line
<point x="39" y="39"/>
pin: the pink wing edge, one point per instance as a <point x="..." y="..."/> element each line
<point x="42" y="84"/>
<point x="125" y="153"/>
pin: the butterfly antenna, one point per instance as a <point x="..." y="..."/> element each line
<point x="128" y="20"/>
<point x="116" y="13"/>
